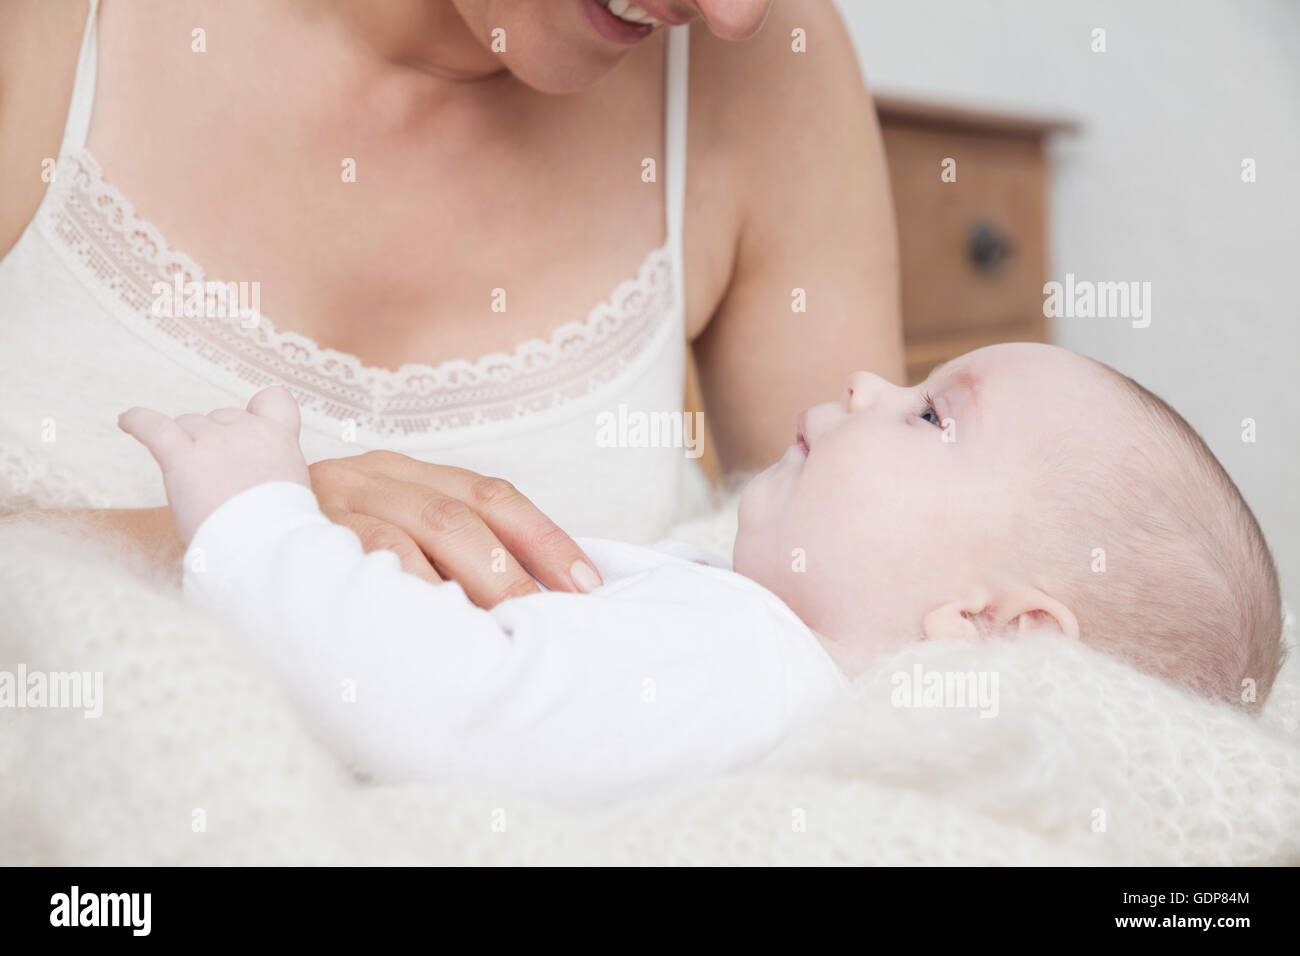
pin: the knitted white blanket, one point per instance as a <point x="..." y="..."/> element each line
<point x="197" y="759"/>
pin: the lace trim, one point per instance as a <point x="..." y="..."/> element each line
<point x="125" y="255"/>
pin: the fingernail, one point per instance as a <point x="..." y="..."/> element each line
<point x="585" y="578"/>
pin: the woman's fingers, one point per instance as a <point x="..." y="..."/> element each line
<point x="481" y="532"/>
<point x="538" y="543"/>
<point x="379" y="535"/>
<point x="451" y="534"/>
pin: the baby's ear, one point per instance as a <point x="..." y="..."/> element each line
<point x="277" y="405"/>
<point x="1030" y="608"/>
<point x="955" y="619"/>
<point x="997" y="612"/>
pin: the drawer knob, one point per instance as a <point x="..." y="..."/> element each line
<point x="988" y="247"/>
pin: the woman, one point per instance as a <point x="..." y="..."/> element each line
<point x="431" y="201"/>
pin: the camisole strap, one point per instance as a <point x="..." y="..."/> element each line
<point x="677" y="98"/>
<point x="83" y="88"/>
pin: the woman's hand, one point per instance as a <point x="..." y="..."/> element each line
<point x="445" y="522"/>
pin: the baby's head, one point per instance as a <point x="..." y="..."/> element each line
<point x="1018" y="486"/>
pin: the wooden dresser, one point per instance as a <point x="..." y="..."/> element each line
<point x="970" y="195"/>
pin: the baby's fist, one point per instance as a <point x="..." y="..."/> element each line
<point x="208" y="459"/>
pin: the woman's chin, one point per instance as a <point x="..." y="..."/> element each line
<point x="562" y="63"/>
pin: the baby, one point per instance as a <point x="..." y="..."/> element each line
<point x="1021" y="486"/>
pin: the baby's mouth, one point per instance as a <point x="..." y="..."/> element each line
<point x="800" y="437"/>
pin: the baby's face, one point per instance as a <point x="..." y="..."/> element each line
<point x="893" y="501"/>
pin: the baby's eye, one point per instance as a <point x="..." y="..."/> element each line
<point x="928" y="412"/>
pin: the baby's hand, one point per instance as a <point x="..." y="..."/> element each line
<point x="208" y="459"/>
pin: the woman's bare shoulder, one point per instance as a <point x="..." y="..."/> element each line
<point x="39" y="41"/>
<point x="759" y="106"/>
<point x="802" y="52"/>
<point x="769" y="117"/>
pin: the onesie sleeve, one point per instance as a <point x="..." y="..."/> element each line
<point x="573" y="698"/>
<point x="388" y="668"/>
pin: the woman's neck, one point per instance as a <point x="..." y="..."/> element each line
<point x="425" y="35"/>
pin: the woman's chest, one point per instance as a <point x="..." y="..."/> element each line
<point x="406" y="236"/>
<point x="436" y="266"/>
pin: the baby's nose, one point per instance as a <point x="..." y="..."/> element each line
<point x="861" y="389"/>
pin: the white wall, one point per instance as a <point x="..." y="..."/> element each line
<point x="1151" y="191"/>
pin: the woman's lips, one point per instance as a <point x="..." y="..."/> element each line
<point x="613" y="28"/>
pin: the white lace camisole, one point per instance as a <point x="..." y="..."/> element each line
<point x="80" y="342"/>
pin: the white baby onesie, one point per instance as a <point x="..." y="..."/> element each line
<point x="672" y="670"/>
